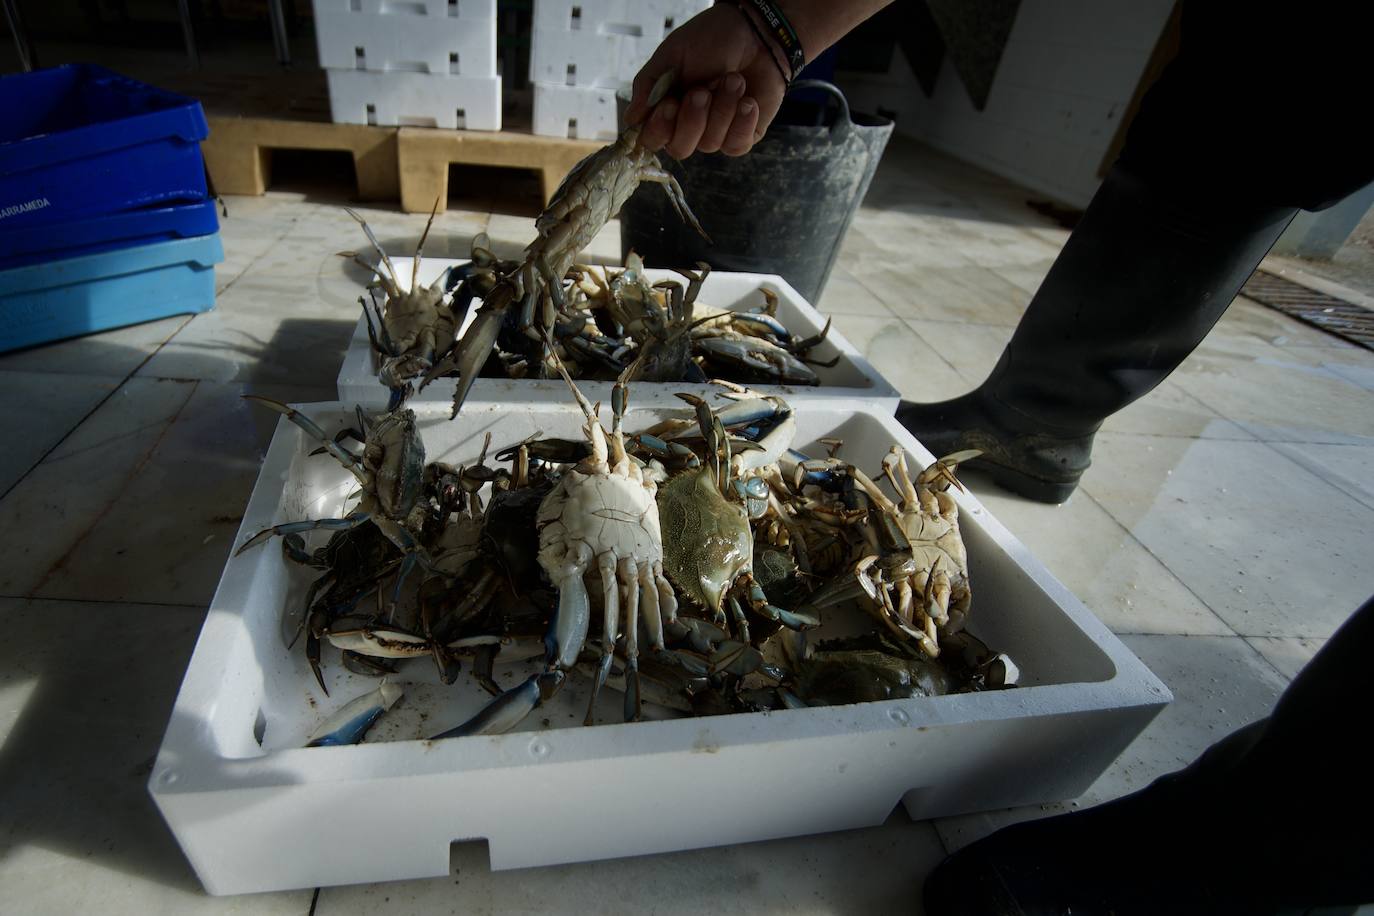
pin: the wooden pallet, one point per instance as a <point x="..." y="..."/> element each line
<point x="425" y="155"/>
<point x="238" y="152"/>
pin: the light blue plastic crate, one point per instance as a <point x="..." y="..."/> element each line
<point x="59" y="299"/>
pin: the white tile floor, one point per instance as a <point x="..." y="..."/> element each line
<point x="1223" y="530"/>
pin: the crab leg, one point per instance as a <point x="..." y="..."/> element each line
<point x="289" y="528"/>
<point x="894" y="466"/>
<point x="661" y="176"/>
<point x="793" y="620"/>
<point x="629" y="574"/>
<point x="741" y="622"/>
<point x="653" y="612"/>
<point x="350" y="461"/>
<point x="415" y="268"/>
<point x="610" y="590"/>
<point x="377" y="247"/>
<point x="293" y="548"/>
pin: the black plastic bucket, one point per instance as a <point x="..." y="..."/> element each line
<point x="782" y="209"/>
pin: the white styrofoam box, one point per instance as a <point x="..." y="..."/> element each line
<point x="452" y="46"/>
<point x="650" y="19"/>
<point x="606" y="43"/>
<point x="415" y="99"/>
<point x="576" y="112"/>
<point x="434" y="9"/>
<point x="852" y="377"/>
<point x="254" y="811"/>
<point x="580" y="59"/>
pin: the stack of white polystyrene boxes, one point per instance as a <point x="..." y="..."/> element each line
<point x="583" y="51"/>
<point x="419" y="62"/>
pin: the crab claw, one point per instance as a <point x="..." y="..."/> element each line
<point x="510" y="708"/>
<point x="943" y="469"/>
<point x="470" y="354"/>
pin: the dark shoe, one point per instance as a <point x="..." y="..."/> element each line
<point x="1035" y="465"/>
<point x="1144" y="276"/>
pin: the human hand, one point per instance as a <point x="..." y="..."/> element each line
<point x="732" y="88"/>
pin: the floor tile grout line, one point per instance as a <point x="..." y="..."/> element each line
<point x="1262" y="657"/>
<point x="1251" y="439"/>
<point x="291" y="224"/>
<point x="919" y="336"/>
<point x="103" y="512"/>
<point x="1191" y="591"/>
<point x="90" y="413"/>
<point x="1363" y="500"/>
<point x="1160" y="560"/>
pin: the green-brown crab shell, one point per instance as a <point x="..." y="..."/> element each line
<point x="707" y="543"/>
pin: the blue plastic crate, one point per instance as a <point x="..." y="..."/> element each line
<point x="107" y="232"/>
<point x="95" y="292"/>
<point x="78" y="140"/>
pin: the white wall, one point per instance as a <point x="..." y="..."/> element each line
<point x="1065" y="80"/>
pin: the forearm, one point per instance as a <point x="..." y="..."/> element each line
<point x="821" y="23"/>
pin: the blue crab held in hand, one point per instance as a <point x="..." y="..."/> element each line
<point x="591" y="195"/>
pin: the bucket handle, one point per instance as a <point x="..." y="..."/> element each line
<point x="839" y="131"/>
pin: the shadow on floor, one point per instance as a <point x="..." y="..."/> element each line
<point x="74" y="768"/>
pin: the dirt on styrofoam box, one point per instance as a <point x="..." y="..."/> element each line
<point x="852" y="377"/>
<point x="254" y="810"/>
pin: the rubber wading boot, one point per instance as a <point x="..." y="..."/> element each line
<point x="1142" y="279"/>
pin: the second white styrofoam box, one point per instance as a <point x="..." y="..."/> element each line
<point x="254" y="810"/>
<point x="575" y="112"/>
<point x="460" y="46"/>
<point x="851" y="377"/>
<point x="577" y="59"/>
<point x="415" y="99"/>
<point x="604" y="53"/>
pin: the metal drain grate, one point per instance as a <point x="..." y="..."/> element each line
<point x="1334" y="316"/>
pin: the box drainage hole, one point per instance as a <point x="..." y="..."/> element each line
<point x="576" y="18"/>
<point x="260" y="727"/>
<point x="453" y="9"/>
<point x="572" y="75"/>
<point x="462" y="118"/>
<point x="572" y="128"/>
<point x="668" y="24"/>
<point x="372" y="115"/>
<point x="359" y="59"/>
<point x="453" y="64"/>
<point x="470" y="856"/>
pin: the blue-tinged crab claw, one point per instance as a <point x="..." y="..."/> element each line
<point x="289" y="528"/>
<point x="510" y="708"/>
<point x="752" y="354"/>
<point x="351" y="723"/>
